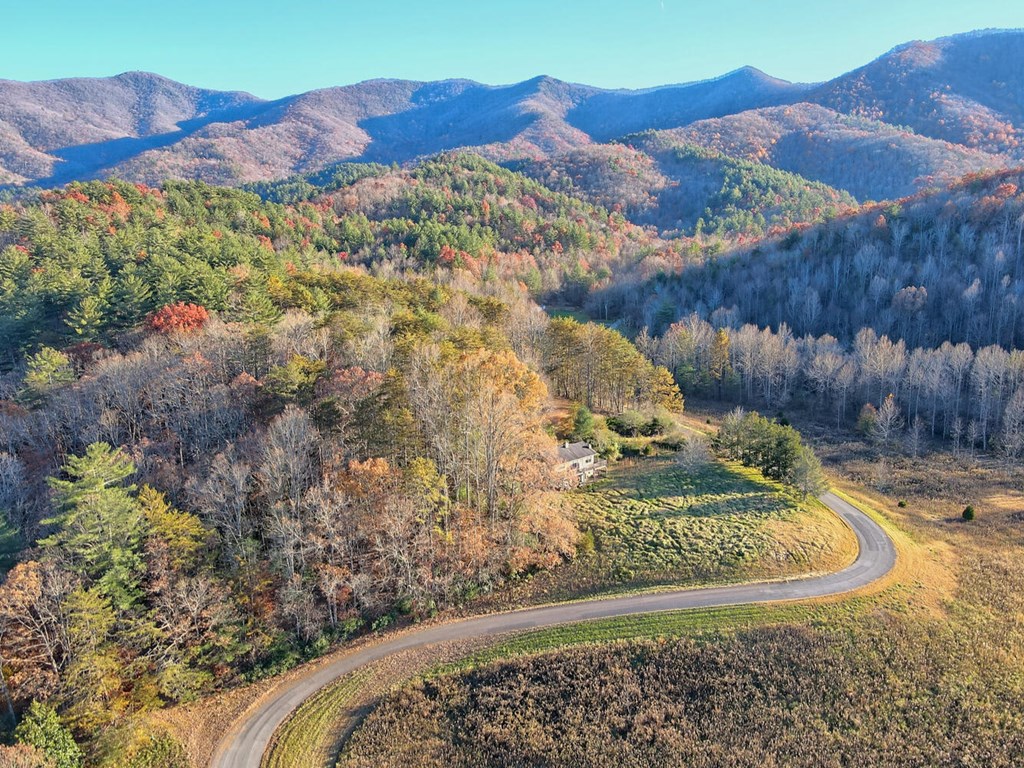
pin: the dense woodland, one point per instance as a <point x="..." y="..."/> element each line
<point x="942" y="266"/>
<point x="224" y="446"/>
<point x="90" y="260"/>
<point x="683" y="189"/>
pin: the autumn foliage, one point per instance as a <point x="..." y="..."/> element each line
<point x="179" y="317"/>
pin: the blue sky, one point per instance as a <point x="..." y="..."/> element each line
<point x="276" y="48"/>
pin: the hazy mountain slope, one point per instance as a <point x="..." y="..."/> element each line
<point x="967" y="89"/>
<point x="871" y="160"/>
<point x="145" y="127"/>
<point x="611" y="114"/>
<point x="384" y="120"/>
<point x="89" y="122"/>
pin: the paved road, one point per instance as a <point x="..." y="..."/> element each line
<point x="243" y="747"/>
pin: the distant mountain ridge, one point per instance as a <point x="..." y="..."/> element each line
<point x="928" y="110"/>
<point x="967" y="89"/>
<point x="234" y="137"/>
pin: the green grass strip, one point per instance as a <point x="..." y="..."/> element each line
<point x="308" y="739"/>
<point x="668" y="624"/>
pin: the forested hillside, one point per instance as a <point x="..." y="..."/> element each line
<point x="910" y="316"/>
<point x="224" y="445"/>
<point x="869" y="159"/>
<point x="686" y="190"/>
<point x="88" y="261"/>
<point x="936" y="267"/>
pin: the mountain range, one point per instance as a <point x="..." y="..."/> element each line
<point x="924" y="113"/>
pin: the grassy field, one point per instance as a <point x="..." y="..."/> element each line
<point x="880" y="691"/>
<point x="654" y="524"/>
<point x="702" y="622"/>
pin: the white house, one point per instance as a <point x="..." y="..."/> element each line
<point x="579" y="461"/>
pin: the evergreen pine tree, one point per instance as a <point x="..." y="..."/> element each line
<point x="100" y="524"/>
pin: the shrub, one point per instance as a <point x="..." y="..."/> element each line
<point x="606" y="442"/>
<point x="629" y="423"/>
<point x="586" y="544"/>
<point x="901" y="503"/>
<point x="582" y="423"/>
<point x="672" y="441"/>
<point x="131" y="743"/>
<point x="160" y="752"/>
<point x="660" y="423"/>
<point x="694" y="454"/>
<point x="867" y="419"/>
<point x="22" y="756"/>
<point x="968" y="514"/>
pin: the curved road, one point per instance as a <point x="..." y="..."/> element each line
<point x="244" y="745"/>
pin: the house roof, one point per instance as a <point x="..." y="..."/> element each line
<point x="575" y="451"/>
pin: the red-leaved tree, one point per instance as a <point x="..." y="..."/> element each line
<point x="180" y="317"/>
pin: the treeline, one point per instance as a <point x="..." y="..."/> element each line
<point x="945" y="266"/>
<point x="589" y="363"/>
<point x="94" y="259"/>
<point x="975" y="398"/>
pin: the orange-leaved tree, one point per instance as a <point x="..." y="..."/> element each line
<point x="180" y="316"/>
